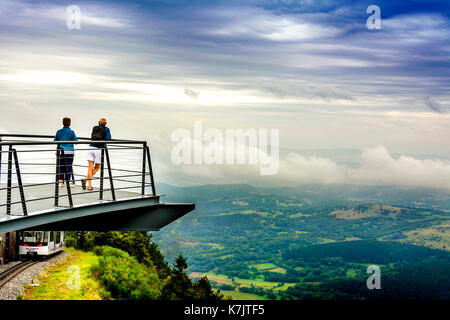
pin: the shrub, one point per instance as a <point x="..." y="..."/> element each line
<point x="124" y="277"/>
<point x="137" y="244"/>
<point x="226" y="287"/>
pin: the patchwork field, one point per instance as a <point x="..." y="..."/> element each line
<point x="367" y="211"/>
<point x="436" y="237"/>
<point x="238" y="282"/>
<point x="237" y="295"/>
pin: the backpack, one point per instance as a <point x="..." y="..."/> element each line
<point x="98" y="133"/>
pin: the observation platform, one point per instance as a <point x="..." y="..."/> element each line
<point x="123" y="198"/>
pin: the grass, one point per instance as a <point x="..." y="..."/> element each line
<point x="436" y="237"/>
<point x="324" y="240"/>
<point x="247" y="282"/>
<point x="298" y="215"/>
<point x="284" y="287"/>
<point x="225" y="256"/>
<point x="55" y="282"/>
<point x="351" y="273"/>
<point x="263" y="266"/>
<point x="237" y="295"/>
<point x="279" y="270"/>
<point x="352" y="239"/>
<point x="268" y="267"/>
<point x="262" y="214"/>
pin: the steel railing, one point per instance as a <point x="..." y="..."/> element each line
<point x="27" y="145"/>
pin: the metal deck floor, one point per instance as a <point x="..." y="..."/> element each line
<point x="130" y="211"/>
<point x="33" y="193"/>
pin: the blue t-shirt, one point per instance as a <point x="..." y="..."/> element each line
<point x="65" y="134"/>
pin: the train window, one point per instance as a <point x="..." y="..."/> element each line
<point x="34" y="238"/>
<point x="29" y="236"/>
<point x="39" y="236"/>
<point x="58" y="237"/>
<point x="52" y="236"/>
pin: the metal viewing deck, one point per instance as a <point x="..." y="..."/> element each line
<point x="123" y="198"/>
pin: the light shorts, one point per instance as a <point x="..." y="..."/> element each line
<point x="94" y="154"/>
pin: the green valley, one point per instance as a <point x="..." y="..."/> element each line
<point x="311" y="242"/>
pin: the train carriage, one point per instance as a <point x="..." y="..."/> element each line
<point x="40" y="243"/>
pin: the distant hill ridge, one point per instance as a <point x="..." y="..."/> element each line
<point x="208" y="190"/>
<point x="371" y="210"/>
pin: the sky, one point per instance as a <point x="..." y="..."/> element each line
<point x="352" y="104"/>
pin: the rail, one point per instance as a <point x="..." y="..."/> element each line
<point x="14" y="271"/>
<point x="125" y="165"/>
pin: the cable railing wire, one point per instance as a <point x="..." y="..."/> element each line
<point x="116" y="178"/>
<point x="121" y="151"/>
<point x="77" y="193"/>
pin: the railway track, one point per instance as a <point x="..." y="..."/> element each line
<point x="14" y="271"/>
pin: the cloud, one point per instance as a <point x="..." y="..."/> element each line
<point x="419" y="27"/>
<point x="191" y="93"/>
<point x="102" y="21"/>
<point x="90" y="15"/>
<point x="376" y="167"/>
<point x="54" y="78"/>
<point x="433" y="105"/>
<point x="292" y="89"/>
<point x="256" y="23"/>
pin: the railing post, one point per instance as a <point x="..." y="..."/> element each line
<point x="73" y="174"/>
<point x="8" y="194"/>
<point x="102" y="173"/>
<point x="66" y="175"/>
<point x="1" y="152"/>
<point x="56" y="177"/>
<point x="113" y="194"/>
<point x="7" y="244"/>
<point x="144" y="156"/>
<point x="150" y="170"/>
<point x="19" y="181"/>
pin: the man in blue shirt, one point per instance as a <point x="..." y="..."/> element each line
<point x="65" y="134"/>
<point x="94" y="154"/>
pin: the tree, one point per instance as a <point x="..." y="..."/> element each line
<point x="271" y="295"/>
<point x="179" y="286"/>
<point x="203" y="290"/>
